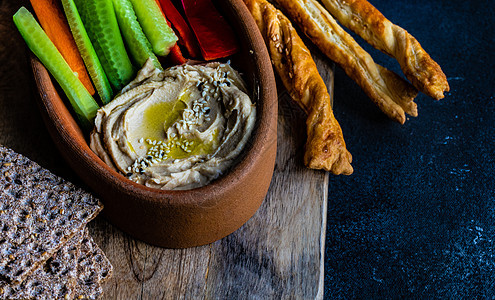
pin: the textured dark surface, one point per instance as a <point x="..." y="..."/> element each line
<point x="416" y="218"/>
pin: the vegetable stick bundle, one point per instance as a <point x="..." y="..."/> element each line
<point x="102" y="43"/>
<point x="53" y="22"/>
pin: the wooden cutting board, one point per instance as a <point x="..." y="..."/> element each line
<point x="277" y="254"/>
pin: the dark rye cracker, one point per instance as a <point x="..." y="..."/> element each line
<point x="94" y="269"/>
<point x="39" y="212"/>
<point x="56" y="279"/>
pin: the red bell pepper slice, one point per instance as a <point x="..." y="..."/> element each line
<point x="186" y="36"/>
<point x="216" y="38"/>
<point x="176" y="57"/>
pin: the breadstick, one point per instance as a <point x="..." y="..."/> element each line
<point x="392" y="94"/>
<point x="325" y="147"/>
<point x="369" y="23"/>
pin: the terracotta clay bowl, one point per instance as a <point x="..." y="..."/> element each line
<point x="180" y="219"/>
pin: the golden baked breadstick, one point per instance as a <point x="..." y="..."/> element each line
<point x="325" y="147"/>
<point x="369" y="23"/>
<point x="390" y="92"/>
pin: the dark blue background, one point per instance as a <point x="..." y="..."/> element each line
<point x="416" y="219"/>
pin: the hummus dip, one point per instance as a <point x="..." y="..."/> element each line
<point x="176" y="129"/>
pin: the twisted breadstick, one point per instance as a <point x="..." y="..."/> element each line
<point x="390" y="92"/>
<point x="325" y="146"/>
<point x="369" y="23"/>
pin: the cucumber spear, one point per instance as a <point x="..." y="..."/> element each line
<point x="82" y="102"/>
<point x="134" y="37"/>
<point x="87" y="51"/>
<point x="155" y="26"/>
<point x="101" y="24"/>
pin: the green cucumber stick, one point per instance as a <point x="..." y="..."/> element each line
<point x="154" y="24"/>
<point x="137" y="43"/>
<point x="101" y="24"/>
<point x="87" y="51"/>
<point x="83" y="103"/>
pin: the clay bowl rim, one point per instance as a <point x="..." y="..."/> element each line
<point x="264" y="81"/>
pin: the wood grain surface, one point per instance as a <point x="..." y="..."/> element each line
<point x="277" y="254"/>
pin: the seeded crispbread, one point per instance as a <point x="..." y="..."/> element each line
<point x="94" y="269"/>
<point x="56" y="279"/>
<point x="39" y="212"/>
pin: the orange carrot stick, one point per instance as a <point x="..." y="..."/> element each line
<point x="52" y="19"/>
